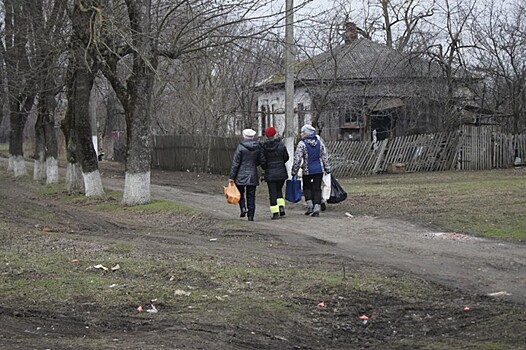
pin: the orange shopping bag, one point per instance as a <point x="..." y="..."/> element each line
<point x="232" y="193"/>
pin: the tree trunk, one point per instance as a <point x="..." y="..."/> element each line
<point x="82" y="83"/>
<point x="16" y="142"/>
<point x="138" y="159"/>
<point x="74" y="180"/>
<point x="39" y="169"/>
<point x="19" y="79"/>
<point x="52" y="174"/>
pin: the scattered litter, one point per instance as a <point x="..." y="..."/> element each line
<point x="279" y="337"/>
<point x="213" y="239"/>
<point x="116" y="267"/>
<point x="182" y="292"/>
<point x="321" y="304"/>
<point x="101" y="267"/>
<point x="46" y="229"/>
<point x="364" y="319"/>
<point x="349" y="215"/>
<point x="498" y="294"/>
<point x="467" y="308"/>
<point x="139" y="308"/>
<point x="113" y="285"/>
<point x="75" y="260"/>
<point x="152" y="310"/>
<point x="220" y="298"/>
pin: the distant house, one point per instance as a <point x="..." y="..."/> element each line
<point x="363" y="88"/>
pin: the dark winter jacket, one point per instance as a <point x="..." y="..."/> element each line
<point x="276" y="156"/>
<point x="247" y="157"/>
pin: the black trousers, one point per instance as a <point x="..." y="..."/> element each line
<point x="275" y="191"/>
<point x="312" y="187"/>
<point x="248" y="199"/>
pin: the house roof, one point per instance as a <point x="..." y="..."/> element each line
<point x="362" y="59"/>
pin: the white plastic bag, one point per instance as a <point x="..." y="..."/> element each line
<point x="326" y="187"/>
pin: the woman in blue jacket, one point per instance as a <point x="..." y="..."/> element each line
<point x="312" y="156"/>
<point x="244" y="172"/>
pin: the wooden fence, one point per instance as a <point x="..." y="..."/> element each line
<point x="194" y="153"/>
<point x="470" y="148"/>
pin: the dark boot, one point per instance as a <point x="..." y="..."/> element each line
<point x="309" y="207"/>
<point x="250" y="218"/>
<point x="281" y="205"/>
<point x="275" y="216"/>
<point x="243" y="209"/>
<point x="323" y="206"/>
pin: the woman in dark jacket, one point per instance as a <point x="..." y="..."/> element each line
<point x="244" y="172"/>
<point x="276" y="156"/>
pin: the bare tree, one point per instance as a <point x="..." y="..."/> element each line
<point x="156" y="29"/>
<point x="85" y="20"/>
<point x="20" y="80"/>
<point x="500" y="35"/>
<point x="449" y="53"/>
<point x="48" y="21"/>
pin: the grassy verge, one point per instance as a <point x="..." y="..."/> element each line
<point x="486" y="203"/>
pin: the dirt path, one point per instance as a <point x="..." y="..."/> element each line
<point x="471" y="264"/>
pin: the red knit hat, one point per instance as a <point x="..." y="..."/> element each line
<point x="270" y="131"/>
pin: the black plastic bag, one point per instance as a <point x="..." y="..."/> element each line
<point x="338" y="194"/>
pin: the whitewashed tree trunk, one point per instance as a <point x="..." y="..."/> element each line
<point x="136" y="188"/>
<point x="93" y="184"/>
<point x="39" y="168"/>
<point x="52" y="175"/>
<point x="74" y="179"/>
<point x="19" y="165"/>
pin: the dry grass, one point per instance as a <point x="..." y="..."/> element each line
<point x="486" y="203"/>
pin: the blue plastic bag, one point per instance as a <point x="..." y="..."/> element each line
<point x="293" y="190"/>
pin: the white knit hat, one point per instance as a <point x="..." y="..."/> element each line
<point x="308" y="129"/>
<point x="248" y="134"/>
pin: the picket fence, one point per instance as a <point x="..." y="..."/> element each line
<point x="469" y="148"/>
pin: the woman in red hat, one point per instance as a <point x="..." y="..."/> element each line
<point x="276" y="156"/>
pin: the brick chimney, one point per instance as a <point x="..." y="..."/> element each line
<point x="351" y="32"/>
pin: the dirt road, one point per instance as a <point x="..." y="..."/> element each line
<point x="474" y="265"/>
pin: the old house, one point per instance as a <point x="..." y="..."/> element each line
<point x="362" y="88"/>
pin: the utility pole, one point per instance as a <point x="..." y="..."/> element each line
<point x="289" y="82"/>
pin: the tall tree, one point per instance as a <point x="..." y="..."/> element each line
<point x="48" y="21"/>
<point x="172" y="29"/>
<point x="20" y="79"/>
<point x="85" y="20"/>
<point x="500" y="34"/>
